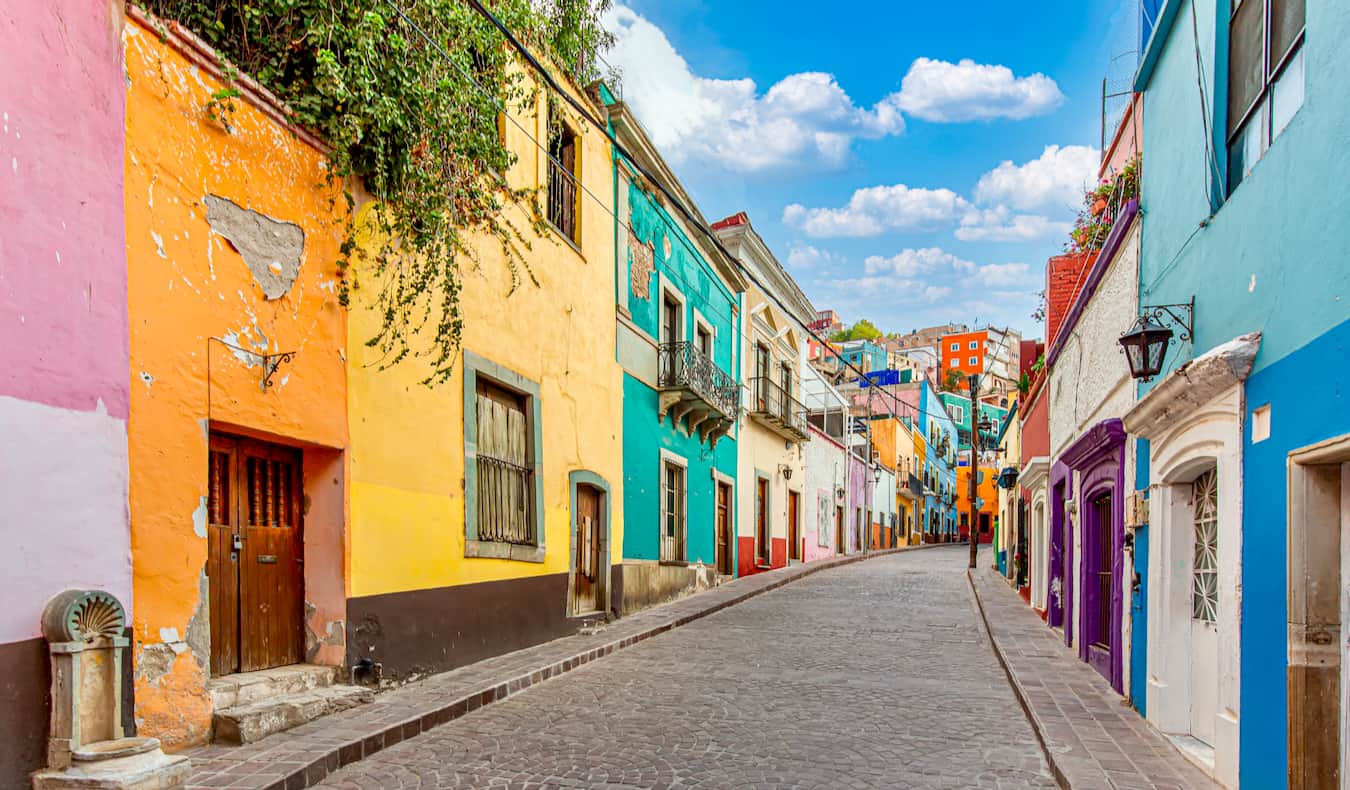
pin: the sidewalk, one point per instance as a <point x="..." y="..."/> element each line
<point x="1092" y="737"/>
<point x="305" y="755"/>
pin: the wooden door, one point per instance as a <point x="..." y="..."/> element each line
<point x="762" y="521"/>
<point x="794" y="538"/>
<point x="724" y="563"/>
<point x="839" y="530"/>
<point x="586" y="580"/>
<point x="255" y="556"/>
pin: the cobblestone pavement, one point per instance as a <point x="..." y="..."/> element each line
<point x="1093" y="737"/>
<point x="873" y="675"/>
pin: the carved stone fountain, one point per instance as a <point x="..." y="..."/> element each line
<point x="86" y="747"/>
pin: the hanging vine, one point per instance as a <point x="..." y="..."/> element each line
<point x="416" y="122"/>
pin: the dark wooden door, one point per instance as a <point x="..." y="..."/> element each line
<point x="724" y="563"/>
<point x="838" y="530"/>
<point x="762" y="521"/>
<point x="794" y="539"/>
<point x="586" y="585"/>
<point x="255" y="556"/>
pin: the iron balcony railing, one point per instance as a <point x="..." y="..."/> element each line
<point x="681" y="366"/>
<point x="914" y="485"/>
<point x="776" y="407"/>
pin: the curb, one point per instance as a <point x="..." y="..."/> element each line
<point x="1036" y="726"/>
<point x="336" y="755"/>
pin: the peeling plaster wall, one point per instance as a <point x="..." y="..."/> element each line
<point x="63" y="341"/>
<point x="195" y="272"/>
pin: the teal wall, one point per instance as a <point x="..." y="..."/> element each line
<point x="1270" y="257"/>
<point x="643" y="440"/>
<point x="933" y="416"/>
<point x="643" y="435"/>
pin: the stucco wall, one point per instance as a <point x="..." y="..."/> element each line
<point x="1091" y="379"/>
<point x="826" y="473"/>
<point x="190" y="282"/>
<point x="63" y="314"/>
<point x="1271" y="258"/>
<point x="408" y="508"/>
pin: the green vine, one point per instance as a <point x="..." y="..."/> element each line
<point x="416" y="123"/>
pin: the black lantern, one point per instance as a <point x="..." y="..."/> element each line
<point x="1145" y="348"/>
<point x="1146" y="343"/>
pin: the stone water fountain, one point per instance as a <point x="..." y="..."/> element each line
<point x="86" y="747"/>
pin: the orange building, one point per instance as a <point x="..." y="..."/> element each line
<point x="964" y="352"/>
<point x="987" y="490"/>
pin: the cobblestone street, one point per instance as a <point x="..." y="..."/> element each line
<point x="877" y="674"/>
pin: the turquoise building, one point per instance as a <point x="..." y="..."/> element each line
<point x="676" y="328"/>
<point x="958" y="406"/>
<point x="1245" y="459"/>
<point x="863" y="354"/>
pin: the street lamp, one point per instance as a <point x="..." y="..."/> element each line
<point x="1146" y="342"/>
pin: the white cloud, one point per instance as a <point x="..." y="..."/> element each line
<point x="805" y="116"/>
<point x="911" y="263"/>
<point x="936" y="90"/>
<point x="876" y="210"/>
<point x="1001" y="224"/>
<point x="1056" y="180"/>
<point x="1005" y="275"/>
<point x="805" y="256"/>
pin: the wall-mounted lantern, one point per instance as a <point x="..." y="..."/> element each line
<point x="1146" y="343"/>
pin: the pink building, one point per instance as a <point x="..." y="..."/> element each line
<point x="64" y="377"/>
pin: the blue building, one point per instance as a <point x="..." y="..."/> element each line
<point x="1245" y="463"/>
<point x="677" y="326"/>
<point x="863" y="354"/>
<point x="939" y="473"/>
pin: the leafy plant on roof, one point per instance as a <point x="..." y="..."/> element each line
<point x="1101" y="206"/>
<point x="407" y="94"/>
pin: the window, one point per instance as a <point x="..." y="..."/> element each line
<point x="1205" y="559"/>
<point x="762" y="363"/>
<point x="1265" y="78"/>
<point x="505" y="471"/>
<point x="973" y="361"/>
<point x="503" y="447"/>
<point x="671" y="324"/>
<point x="954" y="363"/>
<point x="974" y="344"/>
<point x="703" y="340"/>
<point x="956" y="346"/>
<point x="785" y="381"/>
<point x="673" y="497"/>
<point x="563" y="176"/>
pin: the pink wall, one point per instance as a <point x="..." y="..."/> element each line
<point x="63" y="280"/>
<point x="64" y="374"/>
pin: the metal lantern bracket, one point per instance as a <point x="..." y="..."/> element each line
<point x="1182" y="315"/>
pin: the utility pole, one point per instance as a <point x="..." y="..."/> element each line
<point x="974" y="462"/>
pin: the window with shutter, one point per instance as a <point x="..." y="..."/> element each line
<point x="563" y="177"/>
<point x="505" y="468"/>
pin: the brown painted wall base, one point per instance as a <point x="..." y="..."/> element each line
<point x="421" y="632"/>
<point x="25" y="710"/>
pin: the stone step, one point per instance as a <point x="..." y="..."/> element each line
<point x="257" y="720"/>
<point x="230" y="691"/>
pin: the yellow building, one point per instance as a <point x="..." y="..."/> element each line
<point x="483" y="510"/>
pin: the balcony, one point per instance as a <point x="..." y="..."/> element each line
<point x="777" y="410"/>
<point x="912" y="489"/>
<point x="695" y="391"/>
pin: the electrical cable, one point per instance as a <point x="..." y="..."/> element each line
<point x="690" y="217"/>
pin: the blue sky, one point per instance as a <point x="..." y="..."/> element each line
<point x="911" y="162"/>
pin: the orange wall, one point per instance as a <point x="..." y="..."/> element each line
<point x="964" y="353"/>
<point x="186" y="284"/>
<point x="988" y="491"/>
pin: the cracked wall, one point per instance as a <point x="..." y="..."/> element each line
<point x="228" y="237"/>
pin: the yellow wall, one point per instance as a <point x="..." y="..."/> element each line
<point x="407" y="459"/>
<point x="186" y="284"/>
